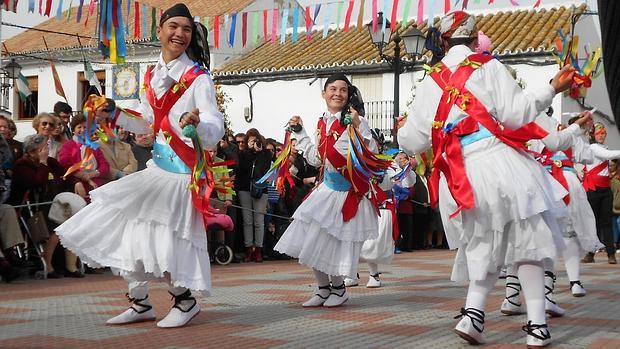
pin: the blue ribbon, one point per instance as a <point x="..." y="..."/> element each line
<point x="121" y="48"/>
<point x="31" y="6"/>
<point x="284" y="25"/>
<point x="233" y="26"/>
<point x="295" y="22"/>
<point x="144" y="15"/>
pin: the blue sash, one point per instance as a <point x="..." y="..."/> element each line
<point x="335" y="181"/>
<point x="166" y="159"/>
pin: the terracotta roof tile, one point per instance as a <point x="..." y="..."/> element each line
<point x="30" y="41"/>
<point x="511" y="32"/>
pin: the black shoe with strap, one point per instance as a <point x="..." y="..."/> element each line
<point x="476" y="317"/>
<point x="185" y="296"/>
<point x="139" y="302"/>
<point x="540" y="335"/>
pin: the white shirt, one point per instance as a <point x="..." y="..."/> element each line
<point x="310" y="151"/>
<point x="494" y="87"/>
<point x="200" y="95"/>
<point x="557" y="141"/>
<point x="601" y="153"/>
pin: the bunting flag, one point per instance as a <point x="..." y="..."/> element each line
<point x="360" y="17"/>
<point x="136" y="21"/>
<point x="57" y="84"/>
<point x="23" y="87"/>
<point x="233" y="26"/>
<point x="265" y="22"/>
<point x="394" y="13"/>
<point x="465" y="3"/>
<point x="153" y="24"/>
<point x="537" y="3"/>
<point x="308" y="24"/>
<point x="69" y="11"/>
<point x="296" y="11"/>
<point x="420" y="15"/>
<point x="446" y="6"/>
<point x="327" y="19"/>
<point x="79" y="12"/>
<point x="406" y="12"/>
<point x="244" y="29"/>
<point x="317" y="8"/>
<point x="431" y="13"/>
<point x="59" y="11"/>
<point x="144" y="24"/>
<point x="91" y="11"/>
<point x="90" y="75"/>
<point x="339" y="14"/>
<point x="255" y="25"/>
<point x="274" y="25"/>
<point x="127" y="16"/>
<point x="226" y="18"/>
<point x="31" y="6"/>
<point x="514" y="2"/>
<point x="216" y="31"/>
<point x="347" y="19"/>
<point x="374" y="16"/>
<point x="386" y="3"/>
<point x="284" y="26"/>
<point x="40" y="7"/>
<point x="48" y="7"/>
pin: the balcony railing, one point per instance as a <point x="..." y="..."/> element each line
<point x="380" y="115"/>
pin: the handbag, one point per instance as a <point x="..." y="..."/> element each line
<point x="37" y="226"/>
<point x="37" y="223"/>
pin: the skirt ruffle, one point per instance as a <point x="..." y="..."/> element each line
<point x="515" y="218"/>
<point x="581" y="218"/>
<point x="145" y="218"/>
<point x="320" y="238"/>
<point x="381" y="249"/>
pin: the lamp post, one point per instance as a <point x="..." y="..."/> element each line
<point x="9" y="73"/>
<point x="414" y="45"/>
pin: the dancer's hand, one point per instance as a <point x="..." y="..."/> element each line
<point x="584" y="118"/>
<point x="355" y="117"/>
<point x="190" y="118"/>
<point x="563" y="79"/>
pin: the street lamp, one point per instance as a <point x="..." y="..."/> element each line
<point x="9" y="73"/>
<point x="12" y="69"/>
<point x="414" y="45"/>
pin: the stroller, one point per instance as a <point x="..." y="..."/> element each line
<point x="217" y="227"/>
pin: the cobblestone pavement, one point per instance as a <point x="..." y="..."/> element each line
<point x="258" y="306"/>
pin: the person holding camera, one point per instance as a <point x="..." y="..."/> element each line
<point x="254" y="162"/>
<point x="331" y="225"/>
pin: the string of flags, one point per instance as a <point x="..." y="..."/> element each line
<point x="130" y="19"/>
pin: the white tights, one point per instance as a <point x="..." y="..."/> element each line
<point x="572" y="258"/>
<point x="322" y="279"/>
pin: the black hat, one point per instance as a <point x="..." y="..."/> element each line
<point x="178" y="10"/>
<point x="336" y="77"/>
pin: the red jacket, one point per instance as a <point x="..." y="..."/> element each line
<point x="70" y="154"/>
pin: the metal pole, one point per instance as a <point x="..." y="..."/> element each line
<point x="396" y="86"/>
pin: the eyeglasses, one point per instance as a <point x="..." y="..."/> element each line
<point x="47" y="123"/>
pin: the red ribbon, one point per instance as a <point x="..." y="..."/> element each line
<point x="216" y="31"/>
<point x="137" y="22"/>
<point x="557" y="166"/>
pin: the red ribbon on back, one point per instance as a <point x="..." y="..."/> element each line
<point x="592" y="179"/>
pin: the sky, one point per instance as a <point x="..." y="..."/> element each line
<point x="31" y="19"/>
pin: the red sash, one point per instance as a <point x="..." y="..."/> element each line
<point x="327" y="150"/>
<point x="592" y="179"/>
<point x="161" y="107"/>
<point x="557" y="166"/>
<point x="447" y="140"/>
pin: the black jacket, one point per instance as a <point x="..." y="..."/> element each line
<point x="260" y="162"/>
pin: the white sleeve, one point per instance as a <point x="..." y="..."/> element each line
<point x="307" y="148"/>
<point x="505" y="99"/>
<point x="414" y="136"/>
<point x="604" y="154"/>
<point x="582" y="153"/>
<point x="557" y="140"/>
<point x="211" y="126"/>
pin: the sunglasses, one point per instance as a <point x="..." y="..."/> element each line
<point x="47" y="123"/>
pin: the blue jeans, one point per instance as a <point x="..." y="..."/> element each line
<point x="615" y="221"/>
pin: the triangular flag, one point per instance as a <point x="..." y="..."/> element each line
<point x="347" y="18"/>
<point x="386" y="8"/>
<point x="233" y="26"/>
<point x="244" y="29"/>
<point x="59" y="11"/>
<point x="296" y="11"/>
<point x="360" y="16"/>
<point x="327" y="19"/>
<point x="255" y="25"/>
<point x="265" y="22"/>
<point x="136" y="22"/>
<point x="23" y="88"/>
<point x="446" y="6"/>
<point x="393" y="17"/>
<point x="216" y="31"/>
<point x="284" y="24"/>
<point x="375" y="25"/>
<point x="406" y="12"/>
<point x="57" y="84"/>
<point x="420" y="14"/>
<point x="274" y="25"/>
<point x="339" y="14"/>
<point x="92" y="77"/>
<point x="317" y="8"/>
<point x="308" y="24"/>
<point x="31" y="6"/>
<point x="79" y="13"/>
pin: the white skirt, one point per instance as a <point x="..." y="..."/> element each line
<point x="381" y="249"/>
<point x="145" y="218"/>
<point x="319" y="237"/>
<point x="581" y="221"/>
<point x="515" y="218"/>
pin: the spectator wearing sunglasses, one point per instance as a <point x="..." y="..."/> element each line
<point x="45" y="124"/>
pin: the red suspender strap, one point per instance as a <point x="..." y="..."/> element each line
<point x="161" y="107"/>
<point x="446" y="139"/>
<point x="557" y="166"/>
<point x="592" y="179"/>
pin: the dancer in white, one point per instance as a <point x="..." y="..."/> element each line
<point x="558" y="152"/>
<point x="331" y="225"/>
<point x="399" y="177"/>
<point x="496" y="203"/>
<point x="145" y="225"/>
